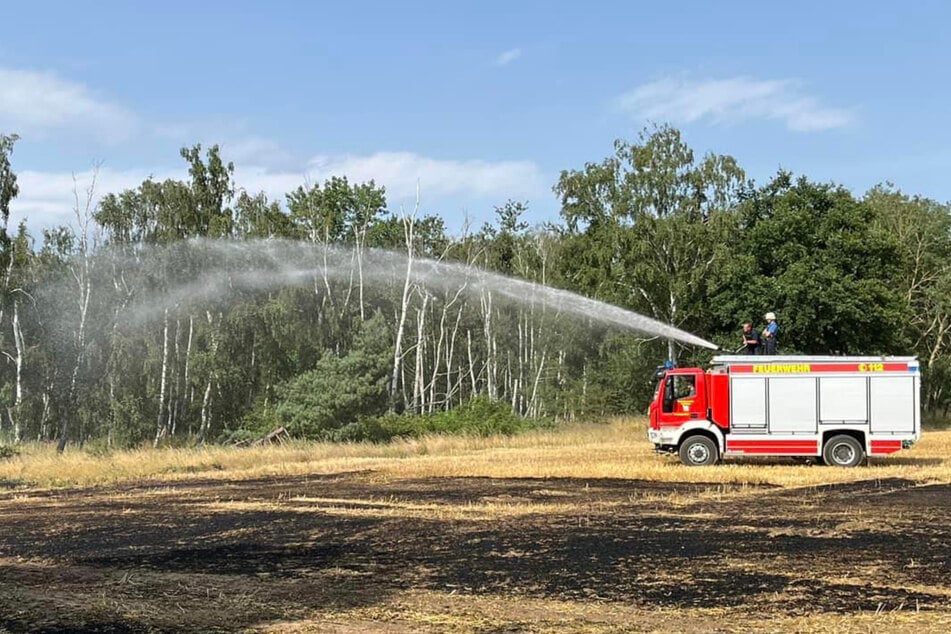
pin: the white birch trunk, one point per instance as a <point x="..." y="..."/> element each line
<point x="408" y="228"/>
<point x="360" y="242"/>
<point x="491" y="374"/>
<point x="205" y="415"/>
<point x="188" y="354"/>
<point x="419" y="388"/>
<point x="160" y="424"/>
<point x="450" y="389"/>
<point x="206" y="400"/>
<point x="18" y="389"/>
<point x="472" y="374"/>
<point x="533" y="409"/>
<point x="80" y="273"/>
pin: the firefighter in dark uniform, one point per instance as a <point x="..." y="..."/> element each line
<point x="751" y="340"/>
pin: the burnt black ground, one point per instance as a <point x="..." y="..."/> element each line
<point x="167" y="557"/>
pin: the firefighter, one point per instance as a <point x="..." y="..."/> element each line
<point x="771" y="334"/>
<point x="751" y="340"/>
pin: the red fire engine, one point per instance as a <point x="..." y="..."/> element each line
<point x="838" y="410"/>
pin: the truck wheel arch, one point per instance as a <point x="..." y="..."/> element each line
<point x="853" y="445"/>
<point x="706" y="428"/>
<point x="705" y="445"/>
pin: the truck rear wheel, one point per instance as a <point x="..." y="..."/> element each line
<point x="842" y="451"/>
<point x="699" y="451"/>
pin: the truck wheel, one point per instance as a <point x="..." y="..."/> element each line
<point x="699" y="451"/>
<point x="842" y="451"/>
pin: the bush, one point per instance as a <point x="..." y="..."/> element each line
<point x="363" y="430"/>
<point x="339" y="390"/>
<point x="98" y="447"/>
<point x="477" y="417"/>
<point x="238" y="436"/>
<point x="936" y="420"/>
<point x="7" y="452"/>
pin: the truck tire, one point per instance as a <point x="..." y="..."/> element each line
<point x="843" y="451"/>
<point x="699" y="451"/>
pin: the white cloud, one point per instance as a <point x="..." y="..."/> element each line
<point x="256" y="150"/>
<point x="399" y="172"/>
<point x="721" y="101"/>
<point x="508" y="57"/>
<point x="40" y="104"/>
<point x="46" y="198"/>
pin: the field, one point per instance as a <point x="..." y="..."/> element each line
<point x="580" y="529"/>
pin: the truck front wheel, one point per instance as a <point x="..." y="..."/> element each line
<point x="699" y="451"/>
<point x="842" y="451"/>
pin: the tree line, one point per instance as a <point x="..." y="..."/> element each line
<point x="688" y="240"/>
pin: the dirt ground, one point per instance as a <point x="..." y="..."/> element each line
<point x="363" y="552"/>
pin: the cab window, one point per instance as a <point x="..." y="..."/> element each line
<point x="678" y="387"/>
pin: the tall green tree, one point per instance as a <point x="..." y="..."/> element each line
<point x="257" y="217"/>
<point x="212" y="189"/>
<point x="813" y="254"/>
<point x="644" y="226"/>
<point x="922" y="230"/>
<point x="337" y="211"/>
<point x="8" y="181"/>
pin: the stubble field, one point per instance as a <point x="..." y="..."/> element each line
<point x="581" y="529"/>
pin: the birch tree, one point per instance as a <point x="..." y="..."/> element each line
<point x="409" y="237"/>
<point x="8" y="191"/>
<point x="643" y="224"/>
<point x="80" y="272"/>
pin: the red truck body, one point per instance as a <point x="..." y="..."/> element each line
<point x="837" y="409"/>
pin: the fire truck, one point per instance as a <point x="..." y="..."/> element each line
<point x="834" y="410"/>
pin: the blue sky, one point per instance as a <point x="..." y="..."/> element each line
<point x="478" y="102"/>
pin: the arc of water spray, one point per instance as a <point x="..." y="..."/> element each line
<point x="572" y="303"/>
<point x="270" y="264"/>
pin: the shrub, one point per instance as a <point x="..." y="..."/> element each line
<point x="477" y="417"/>
<point x="7" y="452"/>
<point x="238" y="436"/>
<point x="340" y="389"/>
<point x="98" y="447"/>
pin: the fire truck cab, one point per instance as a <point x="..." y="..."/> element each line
<point x="836" y="410"/>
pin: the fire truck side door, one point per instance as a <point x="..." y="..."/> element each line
<point x="681" y="401"/>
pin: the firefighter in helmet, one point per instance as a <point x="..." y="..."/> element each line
<point x="771" y="334"/>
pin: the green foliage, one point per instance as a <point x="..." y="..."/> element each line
<point x="338" y="211"/>
<point x="477" y="417"/>
<point x="812" y="254"/>
<point x="622" y="375"/>
<point x="161" y="213"/>
<point x="922" y="230"/>
<point x="8" y="179"/>
<point x="654" y="227"/>
<point x="936" y="387"/>
<point x="645" y="227"/>
<point x="508" y="241"/>
<point x="256" y="217"/>
<point x="7" y="452"/>
<point x="339" y="389"/>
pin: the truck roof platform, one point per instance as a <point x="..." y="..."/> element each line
<point x="729" y="359"/>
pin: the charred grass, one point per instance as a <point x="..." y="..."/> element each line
<point x="532" y="533"/>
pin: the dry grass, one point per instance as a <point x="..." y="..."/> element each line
<point x="406" y="537"/>
<point x="415" y="611"/>
<point x="398" y="509"/>
<point x="616" y="450"/>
